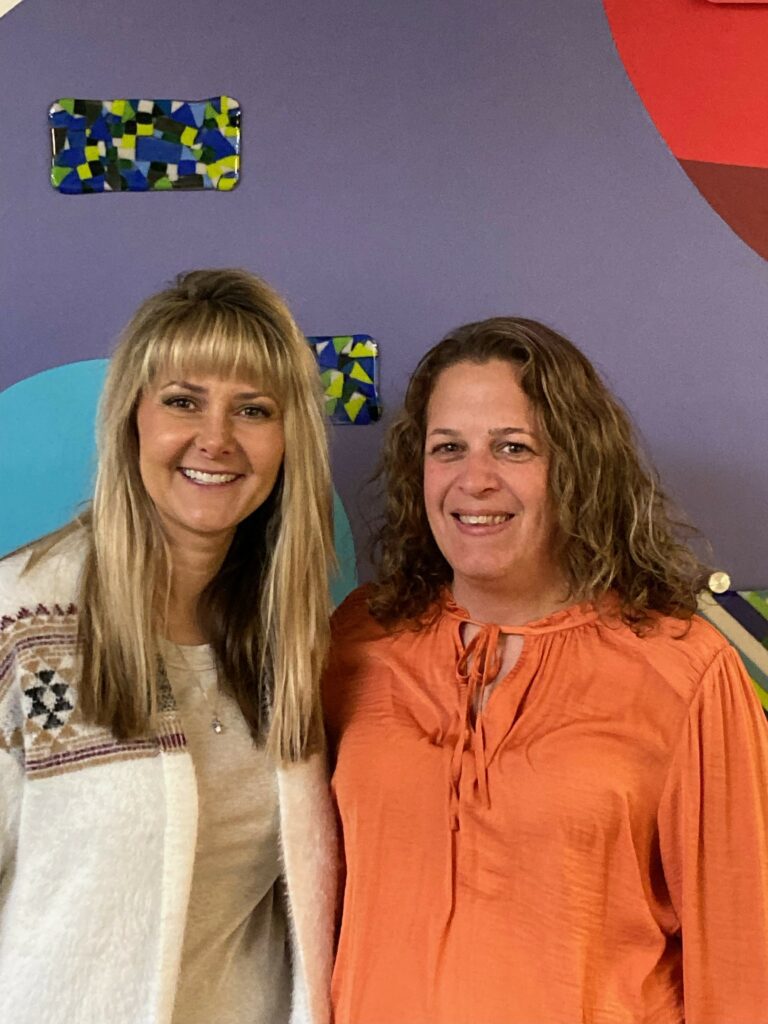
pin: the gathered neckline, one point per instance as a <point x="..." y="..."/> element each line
<point x="565" y="618"/>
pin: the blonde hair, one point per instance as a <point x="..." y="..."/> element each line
<point x="266" y="612"/>
<point x="617" y="530"/>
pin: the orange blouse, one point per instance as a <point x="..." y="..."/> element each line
<point x="592" y="849"/>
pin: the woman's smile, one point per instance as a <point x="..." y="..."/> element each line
<point x="210" y="451"/>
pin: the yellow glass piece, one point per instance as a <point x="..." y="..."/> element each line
<point x="145" y="129"/>
<point x="84" y="172"/>
<point x="358" y="373"/>
<point x="354" y="404"/>
<point x="363" y="350"/>
<point x="92" y="152"/>
<point x="118" y="107"/>
<point x="189" y="136"/>
<point x="334" y="384"/>
<point x="226" y="184"/>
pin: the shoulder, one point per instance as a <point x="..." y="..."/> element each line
<point x="678" y="653"/>
<point x="30" y="579"/>
<point x="352" y="620"/>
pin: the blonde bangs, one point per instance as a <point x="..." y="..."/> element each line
<point x="218" y="343"/>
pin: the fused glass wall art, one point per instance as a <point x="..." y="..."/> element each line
<point x="349" y="370"/>
<point x="134" y="145"/>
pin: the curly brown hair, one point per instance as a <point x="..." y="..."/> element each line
<point x="617" y="529"/>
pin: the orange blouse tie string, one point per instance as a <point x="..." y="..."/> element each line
<point x="478" y="665"/>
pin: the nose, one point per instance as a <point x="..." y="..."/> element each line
<point x="215" y="436"/>
<point x="479" y="474"/>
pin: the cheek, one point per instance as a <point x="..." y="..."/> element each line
<point x="270" y="452"/>
<point x="434" y="491"/>
<point x="155" y="439"/>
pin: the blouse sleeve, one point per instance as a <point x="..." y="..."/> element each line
<point x="713" y="830"/>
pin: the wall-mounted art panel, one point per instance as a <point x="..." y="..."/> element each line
<point x="701" y="72"/>
<point x="143" y="145"/>
<point x="349" y="369"/>
<point x="742" y="617"/>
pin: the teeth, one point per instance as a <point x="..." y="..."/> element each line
<point x="484" y="520"/>
<point x="208" y="478"/>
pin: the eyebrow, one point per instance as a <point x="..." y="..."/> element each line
<point x="196" y="389"/>
<point x="494" y="432"/>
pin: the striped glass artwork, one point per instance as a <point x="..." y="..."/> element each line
<point x="742" y="617"/>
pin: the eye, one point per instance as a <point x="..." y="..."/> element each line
<point x="445" y="448"/>
<point x="183" y="402"/>
<point x="254" y="412"/>
<point x="516" y="448"/>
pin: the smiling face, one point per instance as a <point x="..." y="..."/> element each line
<point x="210" y="451"/>
<point x="486" y="495"/>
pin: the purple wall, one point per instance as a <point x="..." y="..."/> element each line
<point x="406" y="167"/>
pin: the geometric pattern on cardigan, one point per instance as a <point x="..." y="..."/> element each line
<point x="40" y="720"/>
<point x="742" y="617"/>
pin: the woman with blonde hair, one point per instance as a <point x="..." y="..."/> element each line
<point x="166" y="839"/>
<point x="550" y="772"/>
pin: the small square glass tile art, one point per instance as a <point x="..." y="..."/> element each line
<point x="349" y="370"/>
<point x="134" y="145"/>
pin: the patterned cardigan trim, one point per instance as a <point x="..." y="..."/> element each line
<point x="40" y="721"/>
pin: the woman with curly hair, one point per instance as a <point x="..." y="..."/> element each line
<point x="550" y="773"/>
<point x="167" y="843"/>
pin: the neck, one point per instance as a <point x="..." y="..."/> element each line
<point x="193" y="566"/>
<point x="490" y="602"/>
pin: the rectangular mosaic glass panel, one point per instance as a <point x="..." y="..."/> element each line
<point x="349" y="370"/>
<point x="134" y="145"/>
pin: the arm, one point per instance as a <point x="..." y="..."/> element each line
<point x="11" y="777"/>
<point x="713" y="829"/>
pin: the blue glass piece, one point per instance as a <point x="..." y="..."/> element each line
<point x="135" y="180"/>
<point x="72" y="184"/>
<point x="328" y="359"/>
<point x="71" y="158"/>
<point x="99" y="130"/>
<point x="76" y="138"/>
<point x="216" y="141"/>
<point x="184" y="115"/>
<point x="149" y="148"/>
<point x="198" y="112"/>
<point x="60" y="119"/>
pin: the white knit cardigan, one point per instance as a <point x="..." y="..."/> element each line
<point x="97" y="835"/>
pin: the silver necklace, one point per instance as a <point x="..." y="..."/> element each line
<point x="216" y="723"/>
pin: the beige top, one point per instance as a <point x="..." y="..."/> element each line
<point x="234" y="967"/>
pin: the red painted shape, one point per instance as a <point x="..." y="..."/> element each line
<point x="701" y="69"/>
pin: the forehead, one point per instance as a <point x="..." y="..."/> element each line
<point x="486" y="394"/>
<point x="210" y="383"/>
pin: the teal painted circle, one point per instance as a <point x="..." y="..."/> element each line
<point x="48" y="454"/>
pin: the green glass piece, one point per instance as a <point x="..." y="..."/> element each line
<point x="58" y="174"/>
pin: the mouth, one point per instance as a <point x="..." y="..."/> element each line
<point x="487" y="519"/>
<point x="199" y="476"/>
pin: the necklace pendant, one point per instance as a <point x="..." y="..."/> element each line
<point x="216" y="725"/>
